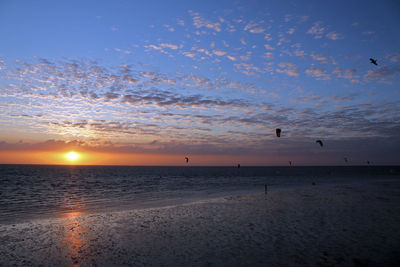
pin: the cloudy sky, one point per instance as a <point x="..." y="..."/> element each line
<point x="150" y="82"/>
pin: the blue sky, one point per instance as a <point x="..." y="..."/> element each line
<point x="204" y="77"/>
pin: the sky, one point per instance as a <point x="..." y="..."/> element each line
<point x="151" y="82"/>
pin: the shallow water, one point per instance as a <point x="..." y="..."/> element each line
<point x="40" y="191"/>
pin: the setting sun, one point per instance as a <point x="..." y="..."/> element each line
<point x="72" y="156"/>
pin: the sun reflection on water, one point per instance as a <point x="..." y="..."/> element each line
<point x="75" y="239"/>
<point x="74" y="225"/>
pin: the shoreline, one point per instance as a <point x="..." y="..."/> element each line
<point x="199" y="198"/>
<point x="348" y="224"/>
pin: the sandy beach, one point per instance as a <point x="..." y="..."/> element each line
<point x="342" y="224"/>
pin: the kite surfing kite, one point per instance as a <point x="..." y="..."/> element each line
<point x="319" y="142"/>
<point x="278" y="132"/>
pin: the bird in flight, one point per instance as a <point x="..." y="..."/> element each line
<point x="319" y="142"/>
<point x="187" y="159"/>
<point x="373" y="61"/>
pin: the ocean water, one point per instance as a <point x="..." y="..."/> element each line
<point x="40" y="191"/>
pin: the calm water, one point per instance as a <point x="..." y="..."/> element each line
<point x="39" y="191"/>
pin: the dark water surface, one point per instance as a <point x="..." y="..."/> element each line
<point x="40" y="191"/>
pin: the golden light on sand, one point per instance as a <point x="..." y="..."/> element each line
<point x="72" y="156"/>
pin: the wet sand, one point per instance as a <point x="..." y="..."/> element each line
<point x="346" y="224"/>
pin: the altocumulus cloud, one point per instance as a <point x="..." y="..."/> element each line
<point x="102" y="105"/>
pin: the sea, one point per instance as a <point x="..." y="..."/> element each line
<point x="30" y="192"/>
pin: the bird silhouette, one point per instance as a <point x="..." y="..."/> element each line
<point x="373" y="61"/>
<point x="187" y="159"/>
<point x="319" y="142"/>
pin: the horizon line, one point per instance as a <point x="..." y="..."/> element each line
<point x="233" y="166"/>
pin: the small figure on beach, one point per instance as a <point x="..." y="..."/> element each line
<point x="187" y="159"/>
<point x="238" y="165"/>
<point x="290" y="163"/>
<point x="320" y="143"/>
<point x="373" y="61"/>
<point x="266" y="188"/>
<point x="278" y="132"/>
<point x="345" y="159"/>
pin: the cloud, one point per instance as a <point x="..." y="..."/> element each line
<point x="165" y="98"/>
<point x="394" y="57"/>
<point x="169" y="28"/>
<point x="170" y="46"/>
<point x="291" y="31"/>
<point x="310" y="99"/>
<point x="254" y="27"/>
<point x="317" y="30"/>
<point x="247" y="69"/>
<point x="288" y="68"/>
<point x="318" y="57"/>
<point x="189" y="54"/>
<point x="45" y="145"/>
<point x="282" y="40"/>
<point x="181" y="22"/>
<point x="205" y="53"/>
<point x="94" y="82"/>
<point x="334" y="36"/>
<point x="288" y="17"/>
<point x="246" y="57"/>
<point x="200" y="22"/>
<point x="219" y="52"/>
<point x="347" y="74"/>
<point x="98" y="103"/>
<point x="268" y="37"/>
<point x="229" y="27"/>
<point x="111" y="96"/>
<point x="382" y="73"/>
<point x="268" y="47"/>
<point x="161" y="48"/>
<point x="319" y="74"/>
<point x="154" y="47"/>
<point x="299" y="53"/>
<point x="268" y="55"/>
<point x="249" y="26"/>
<point x="303" y="19"/>
<point x="257" y="30"/>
